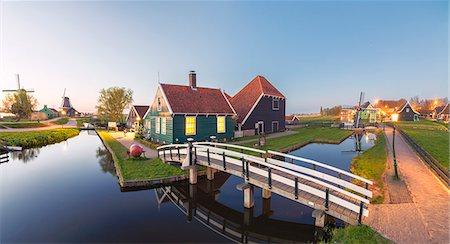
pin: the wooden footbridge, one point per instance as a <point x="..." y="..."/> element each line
<point x="337" y="193"/>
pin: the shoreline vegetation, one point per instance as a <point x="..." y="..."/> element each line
<point x="140" y="168"/>
<point x="357" y="234"/>
<point x="30" y="139"/>
<point x="371" y="165"/>
<point x="24" y="125"/>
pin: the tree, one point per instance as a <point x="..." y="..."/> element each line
<point x="112" y="102"/>
<point x="20" y="103"/>
<point x="415" y="102"/>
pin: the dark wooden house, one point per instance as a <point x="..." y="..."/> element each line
<point x="261" y="108"/>
<point x="407" y="113"/>
<point x="180" y="112"/>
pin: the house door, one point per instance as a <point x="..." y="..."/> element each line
<point x="259" y="126"/>
<point x="275" y="126"/>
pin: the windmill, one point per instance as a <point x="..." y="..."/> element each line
<point x="359" y="109"/>
<point x="19" y="88"/>
<point x="66" y="106"/>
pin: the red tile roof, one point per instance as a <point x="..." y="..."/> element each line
<point x="443" y="109"/>
<point x="244" y="100"/>
<point x="141" y="110"/>
<point x="184" y="99"/>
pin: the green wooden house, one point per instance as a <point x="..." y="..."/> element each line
<point x="181" y="112"/>
<point x="51" y="113"/>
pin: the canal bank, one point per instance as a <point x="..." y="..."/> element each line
<point x="141" y="172"/>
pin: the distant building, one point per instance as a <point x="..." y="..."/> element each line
<point x="368" y="113"/>
<point x="291" y="120"/>
<point x="442" y="113"/>
<point x="67" y="109"/>
<point x="136" y="115"/>
<point x="50" y="113"/>
<point x="399" y="110"/>
<point x="180" y="112"/>
<point x="261" y="108"/>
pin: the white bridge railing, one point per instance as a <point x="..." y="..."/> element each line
<point x="337" y="190"/>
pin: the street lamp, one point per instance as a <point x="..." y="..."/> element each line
<point x="393" y="152"/>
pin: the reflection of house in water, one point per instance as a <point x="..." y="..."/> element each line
<point x="199" y="203"/>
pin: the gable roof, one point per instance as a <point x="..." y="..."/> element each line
<point x="290" y="117"/>
<point x="54" y="110"/>
<point x="247" y="98"/>
<point x="444" y="110"/>
<point x="199" y="100"/>
<point x="141" y="110"/>
<point x="404" y="106"/>
<point x="365" y="105"/>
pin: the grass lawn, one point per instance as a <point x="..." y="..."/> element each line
<point x="318" y="119"/>
<point x="371" y="165"/>
<point x="25" y="125"/>
<point x="40" y="138"/>
<point x="357" y="234"/>
<point x="431" y="136"/>
<point x="9" y="119"/>
<point x="139" y="169"/>
<point x="148" y="143"/>
<point x="80" y="121"/>
<point x="244" y="138"/>
<point x="61" y="121"/>
<point x="304" y="136"/>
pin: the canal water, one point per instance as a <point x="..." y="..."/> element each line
<point x="68" y="192"/>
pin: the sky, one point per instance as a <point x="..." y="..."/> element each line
<point x="317" y="53"/>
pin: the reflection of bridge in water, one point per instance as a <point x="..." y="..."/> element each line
<point x="325" y="191"/>
<point x="199" y="203"/>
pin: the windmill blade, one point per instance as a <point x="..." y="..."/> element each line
<point x="361" y="98"/>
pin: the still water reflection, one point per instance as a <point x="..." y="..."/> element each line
<point x="69" y="193"/>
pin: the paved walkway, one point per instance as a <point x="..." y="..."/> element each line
<point x="72" y="123"/>
<point x="268" y="136"/>
<point x="128" y="139"/>
<point x="426" y="218"/>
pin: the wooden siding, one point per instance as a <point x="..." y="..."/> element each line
<point x="153" y="113"/>
<point x="263" y="112"/>
<point x="407" y="116"/>
<point x="206" y="126"/>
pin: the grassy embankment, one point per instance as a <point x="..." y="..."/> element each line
<point x="319" y="121"/>
<point x="140" y="168"/>
<point x="40" y="138"/>
<point x="357" y="234"/>
<point x="371" y="165"/>
<point x="433" y="137"/>
<point x="24" y="125"/>
<point x="80" y="121"/>
<point x="61" y="121"/>
<point x="303" y="137"/>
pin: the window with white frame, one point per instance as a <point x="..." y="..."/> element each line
<point x="147" y="124"/>
<point x="275" y="126"/>
<point x="157" y="125"/>
<point x="190" y="126"/>
<point x="163" y="125"/>
<point x="275" y="103"/>
<point x="221" y="128"/>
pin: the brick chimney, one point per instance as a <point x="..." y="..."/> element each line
<point x="192" y="79"/>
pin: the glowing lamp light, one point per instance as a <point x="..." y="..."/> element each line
<point x="63" y="112"/>
<point x="394" y="117"/>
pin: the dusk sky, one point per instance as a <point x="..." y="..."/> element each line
<point x="316" y="53"/>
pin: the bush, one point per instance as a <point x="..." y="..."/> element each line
<point x="41" y="138"/>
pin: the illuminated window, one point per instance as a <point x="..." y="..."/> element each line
<point x="163" y="126"/>
<point x="157" y="125"/>
<point x="190" y="126"/>
<point x="221" y="124"/>
<point x="147" y="124"/>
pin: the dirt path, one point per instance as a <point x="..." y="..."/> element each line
<point x="128" y="139"/>
<point x="421" y="213"/>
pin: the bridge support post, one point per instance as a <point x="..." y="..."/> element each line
<point x="319" y="215"/>
<point x="249" y="194"/>
<point x="266" y="194"/>
<point x="193" y="175"/>
<point x="248" y="216"/>
<point x="266" y="207"/>
<point x="210" y="173"/>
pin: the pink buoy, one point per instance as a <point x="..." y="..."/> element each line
<point x="135" y="151"/>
